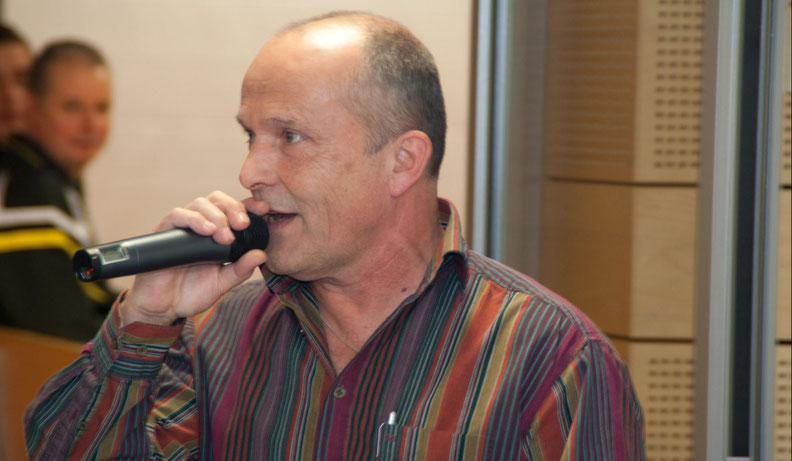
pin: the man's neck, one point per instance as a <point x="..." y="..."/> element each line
<point x="354" y="305"/>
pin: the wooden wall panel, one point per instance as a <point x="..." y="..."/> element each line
<point x="624" y="255"/>
<point x="590" y="89"/>
<point x="624" y="79"/>
<point x="668" y="100"/>
<point x="783" y="405"/>
<point x="663" y="377"/>
<point x="786" y="137"/>
<point x="784" y="281"/>
<point x="26" y="360"/>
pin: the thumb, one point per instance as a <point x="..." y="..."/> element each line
<point x="232" y="275"/>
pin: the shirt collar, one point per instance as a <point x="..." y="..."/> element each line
<point x="32" y="153"/>
<point x="452" y="250"/>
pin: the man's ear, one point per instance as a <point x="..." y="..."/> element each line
<point x="411" y="153"/>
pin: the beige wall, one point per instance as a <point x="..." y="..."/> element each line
<point x="177" y="67"/>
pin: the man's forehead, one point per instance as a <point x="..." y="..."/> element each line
<point x="325" y="39"/>
<point x="328" y="55"/>
<point x="71" y="70"/>
<point x="14" y="53"/>
<point x="333" y="36"/>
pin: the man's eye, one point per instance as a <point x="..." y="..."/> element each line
<point x="21" y="78"/>
<point x="72" y="107"/>
<point x="293" y="136"/>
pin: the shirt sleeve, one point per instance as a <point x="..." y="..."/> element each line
<point x="129" y="395"/>
<point x="591" y="412"/>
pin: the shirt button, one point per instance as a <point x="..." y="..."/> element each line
<point x="339" y="392"/>
<point x="141" y="350"/>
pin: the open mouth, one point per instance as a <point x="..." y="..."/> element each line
<point x="272" y="218"/>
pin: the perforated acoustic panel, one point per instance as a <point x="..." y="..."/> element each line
<point x="663" y="378"/>
<point x="669" y="90"/>
<point x="784" y="274"/>
<point x="783" y="415"/>
<point x="623" y="93"/>
<point x="590" y="88"/>
<point x="663" y="375"/>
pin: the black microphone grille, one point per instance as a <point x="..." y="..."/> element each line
<point x="255" y="236"/>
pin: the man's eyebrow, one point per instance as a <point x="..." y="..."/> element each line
<point x="282" y="121"/>
<point x="273" y="120"/>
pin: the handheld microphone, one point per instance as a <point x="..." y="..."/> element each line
<point x="160" y="250"/>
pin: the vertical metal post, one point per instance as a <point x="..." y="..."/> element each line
<point x="500" y="131"/>
<point x="768" y="147"/>
<point x="716" y="227"/>
<point x="492" y="126"/>
<point x="483" y="128"/>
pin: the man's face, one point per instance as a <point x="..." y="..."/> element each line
<point x="72" y="118"/>
<point x="15" y="63"/>
<point x="307" y="156"/>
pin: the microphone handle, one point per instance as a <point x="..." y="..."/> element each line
<point x="146" y="253"/>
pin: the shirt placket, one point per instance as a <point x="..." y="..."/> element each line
<point x="337" y="412"/>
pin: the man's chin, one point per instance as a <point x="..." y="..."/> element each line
<point x="275" y="267"/>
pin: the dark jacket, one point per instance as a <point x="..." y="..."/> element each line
<point x="41" y="226"/>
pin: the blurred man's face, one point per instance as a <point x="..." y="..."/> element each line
<point x="15" y="63"/>
<point x="71" y="118"/>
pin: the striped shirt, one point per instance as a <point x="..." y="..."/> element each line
<point x="481" y="363"/>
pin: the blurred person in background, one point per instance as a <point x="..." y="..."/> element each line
<point x="15" y="62"/>
<point x="42" y="219"/>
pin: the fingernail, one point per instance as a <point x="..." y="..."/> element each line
<point x="209" y="226"/>
<point x="243" y="217"/>
<point x="229" y="235"/>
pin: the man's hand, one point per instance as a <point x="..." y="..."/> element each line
<point x="162" y="297"/>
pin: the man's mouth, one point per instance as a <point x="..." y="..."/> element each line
<point x="87" y="143"/>
<point x="272" y="218"/>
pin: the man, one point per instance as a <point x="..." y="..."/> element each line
<point x="15" y="61"/>
<point x="377" y="333"/>
<point x="42" y="222"/>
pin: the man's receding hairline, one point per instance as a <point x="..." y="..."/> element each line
<point x="361" y="19"/>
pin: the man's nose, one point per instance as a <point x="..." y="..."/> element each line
<point x="259" y="167"/>
<point x="94" y="121"/>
